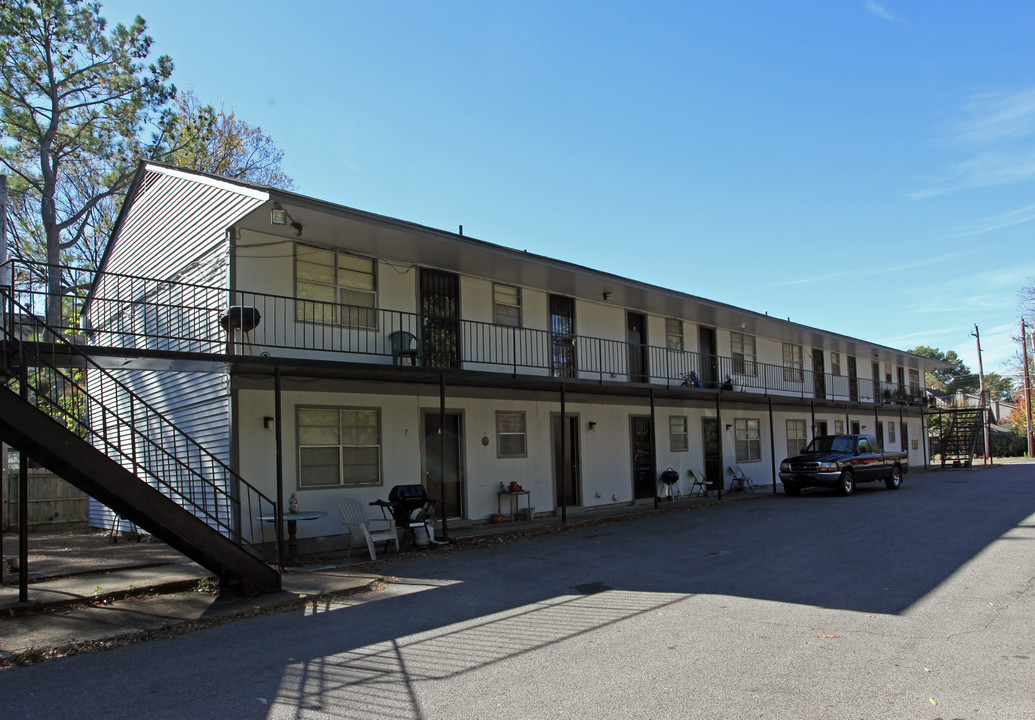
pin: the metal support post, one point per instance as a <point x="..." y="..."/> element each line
<point x="279" y="510"/>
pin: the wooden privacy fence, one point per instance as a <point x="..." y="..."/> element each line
<point x="54" y="505"/>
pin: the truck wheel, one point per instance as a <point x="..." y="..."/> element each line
<point x="791" y="490"/>
<point x="847" y="484"/>
<point x="892" y="483"/>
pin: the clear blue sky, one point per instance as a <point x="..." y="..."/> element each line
<point x="859" y="166"/>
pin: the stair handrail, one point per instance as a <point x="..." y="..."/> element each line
<point x="14" y="341"/>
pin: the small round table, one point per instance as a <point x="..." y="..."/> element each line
<point x="292" y="518"/>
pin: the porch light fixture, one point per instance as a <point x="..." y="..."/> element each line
<point x="607" y="295"/>
<point x="592" y="424"/>
<point x="280" y="216"/>
<point x="728" y="427"/>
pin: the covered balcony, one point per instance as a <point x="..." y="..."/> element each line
<point x="142" y="317"/>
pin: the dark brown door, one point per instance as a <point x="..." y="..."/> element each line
<point x="877" y="384"/>
<point x="443" y="472"/>
<point x="636" y="325"/>
<point x="709" y="361"/>
<point x="642" y="452"/>
<point x="567" y="460"/>
<point x="819" y="378"/>
<point x="562" y="335"/>
<point x="905" y="437"/>
<point x="440" y="318"/>
<point x="853" y="379"/>
<point x="712" y="445"/>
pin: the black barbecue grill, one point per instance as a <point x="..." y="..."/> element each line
<point x="411" y="508"/>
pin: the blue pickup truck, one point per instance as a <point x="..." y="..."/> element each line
<point x="841" y="461"/>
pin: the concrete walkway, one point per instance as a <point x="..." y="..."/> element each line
<point x="105" y="595"/>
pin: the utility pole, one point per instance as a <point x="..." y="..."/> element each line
<point x="1027" y="390"/>
<point x="984" y="401"/>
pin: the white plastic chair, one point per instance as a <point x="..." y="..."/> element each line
<point x="360" y="525"/>
<point x="739" y="478"/>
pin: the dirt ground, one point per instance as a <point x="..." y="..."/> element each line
<point x="53" y="555"/>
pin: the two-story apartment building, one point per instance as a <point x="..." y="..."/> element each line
<point x="339" y="353"/>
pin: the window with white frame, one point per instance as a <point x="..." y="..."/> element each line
<point x="506" y="305"/>
<point x="891" y="433"/>
<point x="335" y="287"/>
<point x="677" y="434"/>
<point x="338" y="446"/>
<point x="674" y="334"/>
<point x="914" y="382"/>
<point x="887" y="373"/>
<point x="511" y="434"/>
<point x="793" y="365"/>
<point x="742" y="347"/>
<point x="839" y="427"/>
<point x="835" y="363"/>
<point x="748" y="439"/>
<point x="797" y="437"/>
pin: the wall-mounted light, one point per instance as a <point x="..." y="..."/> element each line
<point x="266" y="422"/>
<point x="728" y="427"/>
<point x="280" y="216"/>
<point x="592" y="424"/>
<point x="608" y="295"/>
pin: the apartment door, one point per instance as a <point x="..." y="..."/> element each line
<point x="440" y="317"/>
<point x="853" y="379"/>
<point x="636" y="327"/>
<point x="709" y="361"/>
<point x="562" y="335"/>
<point x="877" y="382"/>
<point x="644" y="485"/>
<point x="819" y="378"/>
<point x="567" y="461"/>
<point x="712" y="444"/>
<point x="905" y="437"/>
<point x="443" y="471"/>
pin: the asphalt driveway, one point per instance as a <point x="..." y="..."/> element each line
<point x="914" y="603"/>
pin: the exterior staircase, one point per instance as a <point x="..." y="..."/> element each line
<point x="108" y="442"/>
<point x="960" y="431"/>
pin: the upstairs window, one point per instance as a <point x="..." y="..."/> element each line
<point x="743" y="351"/>
<point x="674" y="334"/>
<point x="506" y="305"/>
<point x="835" y="363"/>
<point x="792" y="363"/>
<point x="335" y="287"/>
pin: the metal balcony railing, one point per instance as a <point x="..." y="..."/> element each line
<point x="135" y="312"/>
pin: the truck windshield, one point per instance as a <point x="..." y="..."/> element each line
<point x="831" y="443"/>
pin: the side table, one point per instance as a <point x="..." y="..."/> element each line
<point x="515" y="502"/>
